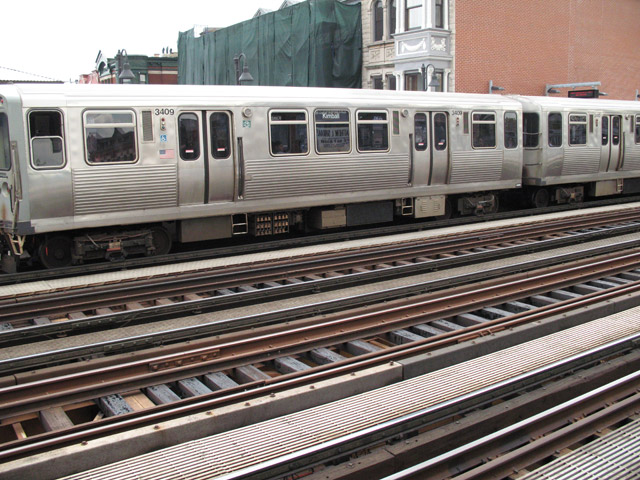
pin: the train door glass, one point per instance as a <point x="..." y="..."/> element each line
<point x="5" y="155"/>
<point x="611" y="151"/>
<point x="219" y="165"/>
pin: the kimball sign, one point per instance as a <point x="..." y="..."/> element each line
<point x="591" y="93"/>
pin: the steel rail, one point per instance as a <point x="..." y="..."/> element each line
<point x="160" y="413"/>
<point x="91" y="383"/>
<point x="194" y="332"/>
<point x="534" y="439"/>
<point x="264" y="276"/>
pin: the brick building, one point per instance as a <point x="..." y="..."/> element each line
<point x="157" y="69"/>
<point x="522" y="47"/>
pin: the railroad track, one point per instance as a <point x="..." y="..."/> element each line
<point x="256" y="246"/>
<point x="214" y="373"/>
<point x="67" y="312"/>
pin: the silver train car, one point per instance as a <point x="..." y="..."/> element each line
<point x="106" y="171"/>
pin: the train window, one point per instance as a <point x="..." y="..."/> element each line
<point x="483" y="128"/>
<point x="332" y="131"/>
<point x="510" y="130"/>
<point x="555" y="129"/>
<point x="5" y="155"/>
<point x="220" y="129"/>
<point x="373" y="132"/>
<point x="110" y="137"/>
<point x="577" y="129"/>
<point x="440" y="131"/>
<point x="530" y="130"/>
<point x="289" y="133"/>
<point x="420" y="131"/>
<point x="615" y="130"/>
<point x="465" y="123"/>
<point x="605" y="130"/>
<point x="637" y="128"/>
<point x="189" y="136"/>
<point x="47" y="143"/>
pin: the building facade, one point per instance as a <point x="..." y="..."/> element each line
<point x="407" y="44"/>
<point x="157" y="69"/>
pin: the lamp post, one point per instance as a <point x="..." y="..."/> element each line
<point x="246" y="76"/>
<point x="434" y="80"/>
<point x="125" y="75"/>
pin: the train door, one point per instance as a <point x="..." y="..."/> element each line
<point x="10" y="186"/>
<point x="611" y="139"/>
<point x="219" y="163"/>
<point x="431" y="154"/>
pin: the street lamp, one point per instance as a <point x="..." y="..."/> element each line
<point x="246" y="76"/>
<point x="434" y="80"/>
<point x="125" y="75"/>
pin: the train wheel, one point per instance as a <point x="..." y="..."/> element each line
<point x="55" y="251"/>
<point x="540" y="198"/>
<point x="161" y="241"/>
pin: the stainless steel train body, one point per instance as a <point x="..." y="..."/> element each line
<point x="570" y="145"/>
<point x="92" y="169"/>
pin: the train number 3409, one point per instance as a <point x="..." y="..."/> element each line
<point x="164" y="111"/>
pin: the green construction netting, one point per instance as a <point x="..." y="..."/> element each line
<point x="317" y="43"/>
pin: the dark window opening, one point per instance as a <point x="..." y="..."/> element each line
<point x="289" y="133"/>
<point x="510" y="130"/>
<point x="189" y="136"/>
<point x="411" y="81"/>
<point x="373" y="132"/>
<point x="638" y="129"/>
<point x="47" y="141"/>
<point x="110" y="137"/>
<point x="615" y="130"/>
<point x="377" y="82"/>
<point x="577" y="129"/>
<point x="420" y="131"/>
<point x="605" y="131"/>
<point x="440" y="131"/>
<point x="378" y="20"/>
<point x="332" y="131"/>
<point x="413" y="14"/>
<point x="5" y="149"/>
<point x="555" y="129"/>
<point x="220" y="135"/>
<point x="392" y="17"/>
<point x="483" y="130"/>
<point x="439" y="20"/>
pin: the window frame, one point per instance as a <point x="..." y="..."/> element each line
<point x="34" y="137"/>
<point x="272" y="122"/>
<point x="574" y="121"/>
<point x="377" y="16"/>
<point x="408" y="10"/>
<point x="515" y="133"/>
<point x="316" y="123"/>
<point x="392" y="12"/>
<point x="479" y="122"/>
<point x="114" y="125"/>
<point x="198" y="130"/>
<point x="637" y="129"/>
<point x="5" y="144"/>
<point x="439" y="14"/>
<point x="372" y="122"/>
<point x="553" y="145"/>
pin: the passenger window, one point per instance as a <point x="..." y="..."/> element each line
<point x="605" y="131"/>
<point x="332" y="131"/>
<point x="373" y="132"/>
<point x="530" y="130"/>
<point x="289" y="133"/>
<point x="555" y="129"/>
<point x="483" y="130"/>
<point x="440" y="131"/>
<point x="47" y="145"/>
<point x="110" y="137"/>
<point x="510" y="130"/>
<point x="220" y="135"/>
<point x="5" y="155"/>
<point x="420" y="131"/>
<point x="637" y="128"/>
<point x="189" y="136"/>
<point x="615" y="130"/>
<point x="577" y="129"/>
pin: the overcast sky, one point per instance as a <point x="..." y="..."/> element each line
<point x="61" y="39"/>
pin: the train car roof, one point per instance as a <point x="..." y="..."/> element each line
<point x="578" y="103"/>
<point x="44" y="95"/>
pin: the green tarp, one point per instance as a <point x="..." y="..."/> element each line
<point x="317" y="43"/>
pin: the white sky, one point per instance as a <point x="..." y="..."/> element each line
<point x="61" y="39"/>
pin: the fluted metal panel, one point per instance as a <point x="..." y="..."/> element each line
<point x="242" y="448"/>
<point x="476" y="166"/>
<point x="288" y="176"/>
<point x="632" y="159"/>
<point x="614" y="456"/>
<point x="124" y="188"/>
<point x="581" y="160"/>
